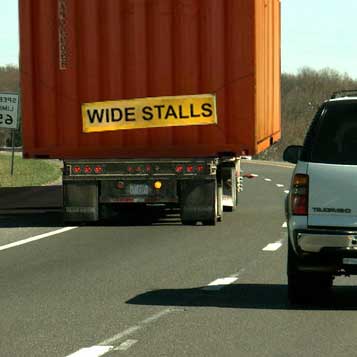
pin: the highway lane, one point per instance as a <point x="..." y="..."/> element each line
<point x="142" y="289"/>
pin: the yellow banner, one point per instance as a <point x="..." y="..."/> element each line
<point x="149" y="113"/>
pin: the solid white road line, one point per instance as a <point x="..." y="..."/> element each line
<point x="267" y="179"/>
<point x="38" y="237"/>
<point x="285" y="225"/>
<point x="273" y="246"/>
<point x="220" y="283"/>
<point x="94" y="351"/>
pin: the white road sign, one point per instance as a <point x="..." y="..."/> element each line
<point x="9" y="108"/>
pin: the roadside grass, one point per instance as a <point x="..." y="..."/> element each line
<point x="27" y="172"/>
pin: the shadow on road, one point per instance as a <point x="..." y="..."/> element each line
<point x="41" y="206"/>
<point x="42" y="217"/>
<point x="137" y="215"/>
<point x="247" y="296"/>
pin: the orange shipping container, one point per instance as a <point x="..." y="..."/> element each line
<point x="83" y="51"/>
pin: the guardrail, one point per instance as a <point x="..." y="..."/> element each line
<point x="5" y="148"/>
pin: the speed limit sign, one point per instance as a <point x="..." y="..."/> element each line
<point x="9" y="108"/>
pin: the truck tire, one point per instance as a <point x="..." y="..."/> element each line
<point x="303" y="286"/>
<point x="214" y="217"/>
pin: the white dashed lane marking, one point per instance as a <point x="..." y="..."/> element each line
<point x="286" y="191"/>
<point x="267" y="179"/>
<point x="279" y="185"/>
<point x="94" y="351"/>
<point x="285" y="225"/>
<point x="272" y="247"/>
<point x="220" y="283"/>
<point x="111" y="344"/>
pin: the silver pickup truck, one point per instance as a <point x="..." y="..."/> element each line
<point x="321" y="207"/>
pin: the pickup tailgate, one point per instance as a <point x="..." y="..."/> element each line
<point x="332" y="195"/>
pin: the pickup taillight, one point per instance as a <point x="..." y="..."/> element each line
<point x="300" y="195"/>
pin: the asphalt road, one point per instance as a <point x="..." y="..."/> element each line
<point x="163" y="289"/>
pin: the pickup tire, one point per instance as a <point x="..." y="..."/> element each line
<point x="303" y="286"/>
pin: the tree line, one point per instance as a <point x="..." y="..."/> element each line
<point x="301" y="95"/>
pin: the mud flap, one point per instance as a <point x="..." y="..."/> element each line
<point x="80" y="201"/>
<point x="229" y="188"/>
<point x="198" y="201"/>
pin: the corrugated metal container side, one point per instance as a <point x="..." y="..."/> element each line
<point x="80" y="51"/>
<point x="268" y="109"/>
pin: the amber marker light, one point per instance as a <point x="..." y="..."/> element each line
<point x="158" y="185"/>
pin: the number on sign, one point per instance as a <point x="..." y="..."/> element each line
<point x="8" y="120"/>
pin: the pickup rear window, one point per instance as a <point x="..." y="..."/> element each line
<point x="334" y="138"/>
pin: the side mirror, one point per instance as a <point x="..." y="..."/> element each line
<point x="292" y="153"/>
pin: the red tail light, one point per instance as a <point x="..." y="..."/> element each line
<point x="130" y="169"/>
<point x="189" y="168"/>
<point x="300" y="195"/>
<point x="179" y="169"/>
<point x="98" y="169"/>
<point x="76" y="169"/>
<point x="148" y="168"/>
<point x="200" y="168"/>
<point x="87" y="169"/>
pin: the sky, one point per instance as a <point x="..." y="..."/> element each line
<point x="315" y="33"/>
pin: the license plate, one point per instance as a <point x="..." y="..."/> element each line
<point x="136" y="189"/>
<point x="350" y="261"/>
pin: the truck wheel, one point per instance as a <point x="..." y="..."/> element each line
<point x="212" y="221"/>
<point x="304" y="287"/>
<point x="214" y="217"/>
